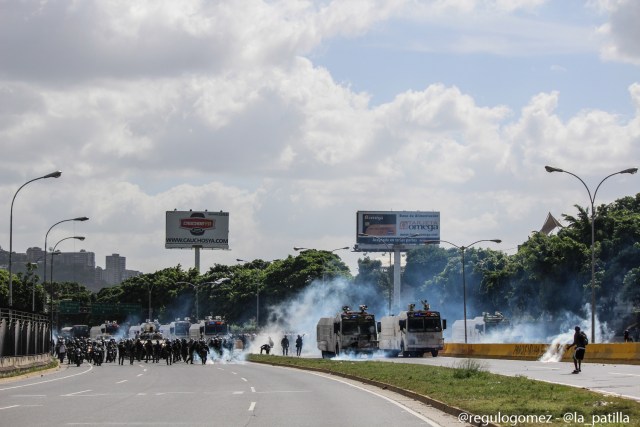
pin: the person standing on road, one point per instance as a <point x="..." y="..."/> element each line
<point x="62" y="351"/>
<point x="298" y="345"/>
<point x="580" y="342"/>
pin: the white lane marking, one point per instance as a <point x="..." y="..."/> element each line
<point x="9" y="407"/>
<point x="144" y="370"/>
<point x="243" y="379"/>
<point x="174" y="392"/>
<point x="29" y="395"/>
<point x="253" y="389"/>
<point x="234" y="373"/>
<point x="123" y="381"/>
<point x="238" y="392"/>
<point x="220" y="369"/>
<point x="75" y="393"/>
<point x="252" y="406"/>
<point x="284" y="391"/>
<point x="140" y="375"/>
<point x="398" y="404"/>
<point x="47" y="381"/>
<point x="623" y="374"/>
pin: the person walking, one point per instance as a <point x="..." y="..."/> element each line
<point x="62" y="351"/>
<point x="580" y="342"/>
<point x="298" y="346"/>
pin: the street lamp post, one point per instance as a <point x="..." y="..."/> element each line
<point x="257" y="296"/>
<point x="149" y="289"/>
<point x="33" y="265"/>
<point x="464" y="280"/>
<point x="196" y="286"/>
<point x="53" y="251"/>
<point x="390" y="250"/>
<point x="82" y="218"/>
<point x="55" y="174"/>
<point x="592" y="200"/>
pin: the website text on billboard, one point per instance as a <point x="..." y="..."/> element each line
<point x="205" y="229"/>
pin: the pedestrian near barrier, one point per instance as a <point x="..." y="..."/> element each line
<point x="580" y="342"/>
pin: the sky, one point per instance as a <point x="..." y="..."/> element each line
<point x="293" y="115"/>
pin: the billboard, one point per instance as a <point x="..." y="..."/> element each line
<point x="188" y="229"/>
<point x="383" y="230"/>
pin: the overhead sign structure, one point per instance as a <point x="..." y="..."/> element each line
<point x="189" y="229"/>
<point x="383" y="231"/>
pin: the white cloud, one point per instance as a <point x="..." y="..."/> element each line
<point x="622" y="31"/>
<point x="215" y="106"/>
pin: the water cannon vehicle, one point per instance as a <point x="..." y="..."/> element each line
<point x="349" y="332"/>
<point x="412" y="332"/>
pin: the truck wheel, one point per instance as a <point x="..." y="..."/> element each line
<point x="434" y="353"/>
<point x="404" y="353"/>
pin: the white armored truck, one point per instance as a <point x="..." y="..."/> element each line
<point x="349" y="332"/>
<point x="412" y="332"/>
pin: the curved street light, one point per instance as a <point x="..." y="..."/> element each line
<point x="44" y="281"/>
<point x="464" y="280"/>
<point x="55" y="174"/>
<point x="53" y="252"/>
<point x="592" y="200"/>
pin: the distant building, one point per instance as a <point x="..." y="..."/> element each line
<point x="35" y="255"/>
<point x="551" y="224"/>
<point x="128" y="274"/>
<point x="114" y="272"/>
<point x="79" y="267"/>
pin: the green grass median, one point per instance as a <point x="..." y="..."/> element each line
<point x="470" y="387"/>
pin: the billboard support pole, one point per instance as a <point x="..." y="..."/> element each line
<point x="197" y="261"/>
<point x="396" y="278"/>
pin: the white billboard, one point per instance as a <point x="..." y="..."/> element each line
<point x="386" y="230"/>
<point x="188" y="229"/>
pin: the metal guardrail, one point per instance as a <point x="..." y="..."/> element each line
<point x="23" y="333"/>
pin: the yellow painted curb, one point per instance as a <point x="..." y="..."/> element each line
<point x="602" y="353"/>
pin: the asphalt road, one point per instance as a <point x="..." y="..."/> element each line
<point x="618" y="379"/>
<point x="232" y="394"/>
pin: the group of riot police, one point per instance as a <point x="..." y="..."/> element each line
<point x="100" y="351"/>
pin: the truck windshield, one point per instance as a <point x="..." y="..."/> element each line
<point x="214" y="328"/>
<point x="182" y="328"/>
<point x="421" y="324"/>
<point x="111" y="329"/>
<point x="358" y="327"/>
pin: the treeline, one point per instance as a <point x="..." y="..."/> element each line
<point x="546" y="278"/>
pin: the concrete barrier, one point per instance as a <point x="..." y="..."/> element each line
<point x="20" y="363"/>
<point x="601" y="353"/>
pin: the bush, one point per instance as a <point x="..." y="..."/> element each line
<point x="468" y="368"/>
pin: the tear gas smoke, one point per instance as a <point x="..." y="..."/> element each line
<point x="300" y="314"/>
<point x="521" y="331"/>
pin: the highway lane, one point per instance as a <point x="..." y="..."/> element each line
<point x="233" y="394"/>
<point x="618" y="379"/>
